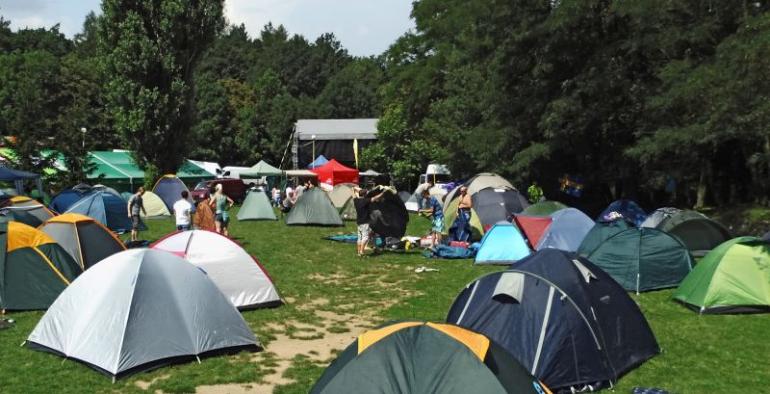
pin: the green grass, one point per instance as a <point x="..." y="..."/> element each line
<point x="714" y="354"/>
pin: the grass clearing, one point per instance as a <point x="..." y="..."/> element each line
<point x="334" y="295"/>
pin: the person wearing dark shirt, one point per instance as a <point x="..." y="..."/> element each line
<point x="363" y="206"/>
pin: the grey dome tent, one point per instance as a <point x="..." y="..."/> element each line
<point x="696" y="231"/>
<point x="256" y="206"/>
<point x="140" y="309"/>
<point x="314" y="207"/>
<point x="561" y="317"/>
<point x="341" y="193"/>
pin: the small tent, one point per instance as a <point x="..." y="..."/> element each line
<point x="532" y="227"/>
<point x="154" y="205"/>
<point x="34" y="269"/>
<point x="30" y="206"/>
<point x="413" y="202"/>
<point x="543" y="208"/>
<point x="629" y="210"/>
<point x="333" y="173"/>
<point x="567" y="230"/>
<point x="169" y="188"/>
<point x="314" y="207"/>
<point x="348" y="211"/>
<point x="563" y="318"/>
<point x="417" y="357"/>
<point x="137" y="310"/>
<point x="62" y="201"/>
<point x="696" y="231"/>
<point x="658" y="216"/>
<point x="732" y="278"/>
<point x="641" y="259"/>
<point x="21" y="216"/>
<point x="106" y="208"/>
<point x="256" y="206"/>
<point x="490" y="205"/>
<point x="239" y="276"/>
<point x="86" y="240"/>
<point x="341" y="193"/>
<point x="600" y="233"/>
<point x="318" y="162"/>
<point x="502" y="244"/>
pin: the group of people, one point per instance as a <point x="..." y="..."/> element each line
<point x="183" y="210"/>
<point x="286" y="200"/>
<point x="431" y="207"/>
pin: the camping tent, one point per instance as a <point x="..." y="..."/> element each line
<point x="169" y="188"/>
<point x="314" y="207"/>
<point x="30" y="206"/>
<point x="387" y="216"/>
<point x="567" y="230"/>
<point x="480" y="181"/>
<point x="348" y="211"/>
<point x="732" y="278"/>
<point x="21" y="216"/>
<point x="490" y="205"/>
<point x="601" y="232"/>
<point x="641" y="259"/>
<point x="137" y="310"/>
<point x="319" y="161"/>
<point x="106" y="208"/>
<point x="562" y="317"/>
<point x="532" y="227"/>
<point x="502" y="244"/>
<point x="154" y="205"/>
<point x="659" y="215"/>
<point x="85" y="239"/>
<point x="341" y="193"/>
<point x="417" y="357"/>
<point x="239" y="276"/>
<point x="333" y="173"/>
<point x="261" y="169"/>
<point x="696" y="231"/>
<point x="256" y="206"/>
<point x="62" y="201"/>
<point x="543" y="208"/>
<point x="630" y="210"/>
<point x="34" y="269"/>
<point x="413" y="203"/>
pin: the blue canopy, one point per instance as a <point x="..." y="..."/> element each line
<point x="319" y="161"/>
<point x="106" y="208"/>
<point x="502" y="244"/>
<point x="11" y="175"/>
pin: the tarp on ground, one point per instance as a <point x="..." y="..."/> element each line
<point x="137" y="310"/>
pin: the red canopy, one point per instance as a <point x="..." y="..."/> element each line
<point x="333" y="173"/>
<point x="533" y="227"/>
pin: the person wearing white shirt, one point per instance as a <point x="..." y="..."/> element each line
<point x="182" y="212"/>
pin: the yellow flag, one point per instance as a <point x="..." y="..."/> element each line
<point x="355" y="150"/>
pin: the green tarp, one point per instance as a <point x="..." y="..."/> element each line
<point x="732" y="278"/>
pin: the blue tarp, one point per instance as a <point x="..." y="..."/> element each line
<point x="106" y="208"/>
<point x="568" y="228"/>
<point x="502" y="244"/>
<point x="319" y="161"/>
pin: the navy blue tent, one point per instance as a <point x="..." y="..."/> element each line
<point x="502" y="244"/>
<point x="319" y="161"/>
<point x="568" y="322"/>
<point x="106" y="208"/>
<point x="630" y="210"/>
<point x="64" y="200"/>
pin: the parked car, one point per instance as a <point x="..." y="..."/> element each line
<point x="234" y="188"/>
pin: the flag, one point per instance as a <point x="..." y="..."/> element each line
<point x="355" y="150"/>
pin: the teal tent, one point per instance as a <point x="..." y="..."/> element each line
<point x="256" y="206"/>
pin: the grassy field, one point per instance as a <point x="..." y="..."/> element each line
<point x="331" y="293"/>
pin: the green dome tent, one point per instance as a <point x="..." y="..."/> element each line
<point x="314" y="208"/>
<point x="696" y="231"/>
<point x="732" y="278"/>
<point x="640" y="259"/>
<point x="256" y="206"/>
<point x="543" y="208"/>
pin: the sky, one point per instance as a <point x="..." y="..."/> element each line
<point x="364" y="27"/>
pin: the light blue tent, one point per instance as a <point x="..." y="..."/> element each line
<point x="568" y="228"/>
<point x="319" y="161"/>
<point x="107" y="209"/>
<point x="502" y="244"/>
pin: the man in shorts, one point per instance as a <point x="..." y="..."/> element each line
<point x="431" y="207"/>
<point x="135" y="206"/>
<point x="363" y="206"/>
<point x="182" y="212"/>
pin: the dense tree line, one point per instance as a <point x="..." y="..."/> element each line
<point x="661" y="100"/>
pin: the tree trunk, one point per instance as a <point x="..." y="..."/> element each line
<point x="700" y="199"/>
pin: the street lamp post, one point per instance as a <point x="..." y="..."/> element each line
<point x="83" y="131"/>
<point x="313" y="158"/>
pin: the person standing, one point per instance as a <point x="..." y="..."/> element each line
<point x="431" y="207"/>
<point x="276" y="194"/>
<point x="183" y="212"/>
<point x="362" y="205"/>
<point x="535" y="192"/>
<point x="463" y="232"/>
<point x="221" y="203"/>
<point x="135" y="206"/>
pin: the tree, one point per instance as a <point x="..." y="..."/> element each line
<point x="150" y="50"/>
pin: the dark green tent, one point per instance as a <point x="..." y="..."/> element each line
<point x="416" y="357"/>
<point x="640" y="259"/>
<point x="314" y="207"/>
<point x="600" y="233"/>
<point x="34" y="269"/>
<point x="543" y="208"/>
<point x="256" y="206"/>
<point x="696" y="231"/>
